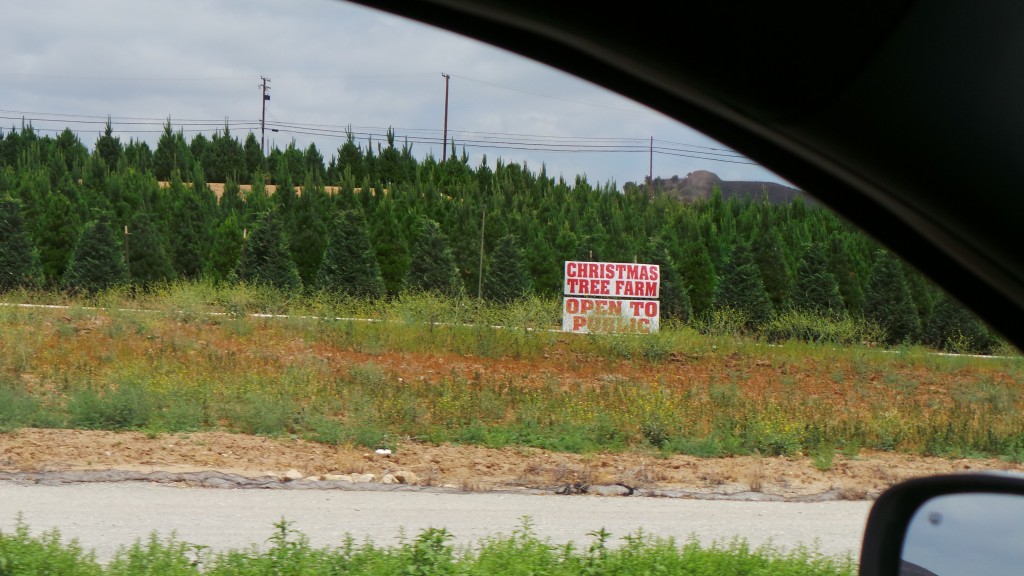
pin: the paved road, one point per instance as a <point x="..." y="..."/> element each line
<point x="104" y="517"/>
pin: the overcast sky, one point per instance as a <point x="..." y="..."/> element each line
<point x="332" y="65"/>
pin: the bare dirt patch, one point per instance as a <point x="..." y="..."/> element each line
<point x="463" y="467"/>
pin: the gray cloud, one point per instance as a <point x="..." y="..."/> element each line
<point x="332" y="64"/>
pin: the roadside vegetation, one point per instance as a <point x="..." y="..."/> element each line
<point x="372" y="221"/>
<point x="255" y="360"/>
<point x="428" y="553"/>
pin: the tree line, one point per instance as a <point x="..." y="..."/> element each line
<point x="80" y="220"/>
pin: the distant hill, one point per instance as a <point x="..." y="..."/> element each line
<point x="698" y="185"/>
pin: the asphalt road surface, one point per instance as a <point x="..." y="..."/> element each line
<point x="104" y="517"/>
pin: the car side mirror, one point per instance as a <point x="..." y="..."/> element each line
<point x="948" y="525"/>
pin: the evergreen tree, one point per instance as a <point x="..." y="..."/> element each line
<point x="772" y="262"/>
<point x="507" y="278"/>
<point x="97" y="262"/>
<point x="186" y="235"/>
<point x="350" y="265"/>
<point x="56" y="231"/>
<point x="675" y="302"/>
<point x="314" y="166"/>
<point x="71" y="150"/>
<point x="741" y="287"/>
<point x="816" y="289"/>
<point x="888" y="301"/>
<point x="230" y="201"/>
<point x="699" y="278"/>
<point x="389" y="162"/>
<point x="108" y="147"/>
<point x="138" y="155"/>
<point x="148" y="262"/>
<point x="199" y="150"/>
<point x="307" y="229"/>
<point x="19" y="260"/>
<point x="226" y="158"/>
<point x="843" y="266"/>
<point x="254" y="161"/>
<point x="954" y="328"/>
<point x="265" y="257"/>
<point x="389" y="243"/>
<point x="922" y="291"/>
<point x="225" y="250"/>
<point x="350" y="157"/>
<point x="433" y="266"/>
<point x="171" y="153"/>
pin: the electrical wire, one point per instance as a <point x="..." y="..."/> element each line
<point x="427" y="136"/>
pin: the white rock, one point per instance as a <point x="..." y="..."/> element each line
<point x="293" y="474"/>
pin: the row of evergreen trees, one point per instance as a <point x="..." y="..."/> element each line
<point x="126" y="213"/>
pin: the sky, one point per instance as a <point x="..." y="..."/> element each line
<point x="333" y="66"/>
<point x="967" y="534"/>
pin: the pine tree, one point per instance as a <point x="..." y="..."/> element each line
<point x="56" y="231"/>
<point x="266" y="259"/>
<point x="816" y="289"/>
<point x="148" y="262"/>
<point x="108" y="147"/>
<point x="741" y="287"/>
<point x="954" y="328"/>
<point x="433" y="266"/>
<point x="699" y="278"/>
<point x="350" y="157"/>
<point x="507" y="278"/>
<point x="772" y="261"/>
<point x="254" y="161"/>
<point x="171" y="153"/>
<point x="187" y="238"/>
<point x="225" y="250"/>
<point x="97" y="262"/>
<point x="888" y="301"/>
<point x="307" y="229"/>
<point x="843" y="266"/>
<point x="675" y="302"/>
<point x="19" y="260"/>
<point x="227" y="158"/>
<point x="390" y="245"/>
<point x="350" y="265"/>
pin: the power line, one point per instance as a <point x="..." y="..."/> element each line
<point x="428" y="136"/>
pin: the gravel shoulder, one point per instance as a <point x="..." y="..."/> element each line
<point x="226" y="491"/>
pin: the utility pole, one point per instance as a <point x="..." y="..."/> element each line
<point x="480" y="280"/>
<point x="444" y="151"/>
<point x="263" y="117"/>
<point x="650" y="172"/>
<point x="127" y="259"/>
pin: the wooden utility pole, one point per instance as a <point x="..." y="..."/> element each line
<point x="444" y="151"/>
<point x="650" y="171"/>
<point x="127" y="258"/>
<point x="263" y="117"/>
<point x="480" y="280"/>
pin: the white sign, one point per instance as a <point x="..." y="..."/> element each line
<point x="597" y="315"/>
<point x="612" y="279"/>
<point x="596" y="297"/>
